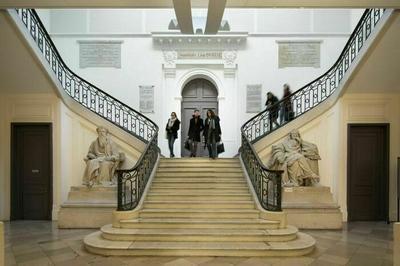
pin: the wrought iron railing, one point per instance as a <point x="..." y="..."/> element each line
<point x="131" y="182"/>
<point x="266" y="183"/>
<point x="318" y="90"/>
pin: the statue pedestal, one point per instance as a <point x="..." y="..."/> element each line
<point x="311" y="208"/>
<point x="88" y="207"/>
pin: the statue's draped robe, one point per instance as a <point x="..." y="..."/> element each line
<point x="298" y="159"/>
<point x="102" y="167"/>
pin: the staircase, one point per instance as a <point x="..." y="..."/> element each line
<point x="199" y="207"/>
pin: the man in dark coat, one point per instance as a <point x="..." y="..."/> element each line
<point x="195" y="128"/>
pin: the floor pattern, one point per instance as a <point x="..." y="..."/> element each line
<point x="42" y="243"/>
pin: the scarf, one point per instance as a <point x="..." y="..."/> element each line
<point x="171" y="122"/>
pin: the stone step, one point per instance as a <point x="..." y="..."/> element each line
<point x="199" y="160"/>
<point x="203" y="197"/>
<point x="199" y="213"/>
<point x="199" y="174"/>
<point x="203" y="165"/>
<point x="195" y="185"/>
<point x="187" y="223"/>
<point x="198" y="189"/>
<point x="95" y="243"/>
<point x="201" y="179"/>
<point x="183" y="204"/>
<point x="204" y="235"/>
<point x="211" y="170"/>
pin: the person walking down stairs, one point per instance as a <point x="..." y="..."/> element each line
<point x="212" y="133"/>
<point x="195" y="128"/>
<point x="172" y="132"/>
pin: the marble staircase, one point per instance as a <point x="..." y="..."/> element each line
<point x="199" y="207"/>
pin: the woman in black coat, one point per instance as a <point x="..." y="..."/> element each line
<point x="212" y="133"/>
<point x="172" y="132"/>
<point x="195" y="128"/>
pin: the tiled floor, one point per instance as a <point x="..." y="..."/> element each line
<point x="42" y="243"/>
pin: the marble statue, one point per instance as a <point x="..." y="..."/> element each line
<point x="298" y="159"/>
<point x="102" y="160"/>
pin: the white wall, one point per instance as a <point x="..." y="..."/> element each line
<point x="142" y="62"/>
<point x="329" y="132"/>
<point x="72" y="136"/>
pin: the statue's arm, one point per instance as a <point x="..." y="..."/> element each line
<point x="91" y="153"/>
<point x="310" y="151"/>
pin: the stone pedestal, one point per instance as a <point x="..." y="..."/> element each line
<point x="88" y="207"/>
<point x="311" y="208"/>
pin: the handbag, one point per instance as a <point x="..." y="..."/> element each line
<point x="220" y="147"/>
<point x="187" y="145"/>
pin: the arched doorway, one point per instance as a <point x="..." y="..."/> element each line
<point x="198" y="94"/>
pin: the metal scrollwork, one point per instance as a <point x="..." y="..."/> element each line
<point x="131" y="182"/>
<point x="267" y="183"/>
<point x="317" y="91"/>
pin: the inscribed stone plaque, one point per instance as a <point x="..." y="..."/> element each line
<point x="146" y="96"/>
<point x="299" y="54"/>
<point x="253" y="98"/>
<point x="199" y="54"/>
<point x="99" y="54"/>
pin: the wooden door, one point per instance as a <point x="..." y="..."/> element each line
<point x="368" y="164"/>
<point x="31" y="172"/>
<point x="198" y="94"/>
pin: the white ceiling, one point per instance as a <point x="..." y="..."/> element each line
<point x="19" y="70"/>
<point x="199" y="3"/>
<point x="380" y="69"/>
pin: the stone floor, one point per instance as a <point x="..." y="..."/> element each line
<point x="42" y="243"/>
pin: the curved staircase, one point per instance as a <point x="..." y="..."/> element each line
<point x="199" y="207"/>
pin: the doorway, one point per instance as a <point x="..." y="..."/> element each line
<point x="198" y="94"/>
<point x="31" y="171"/>
<point x="368" y="172"/>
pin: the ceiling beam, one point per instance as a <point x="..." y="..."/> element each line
<point x="199" y="3"/>
<point x="183" y="12"/>
<point x="214" y="16"/>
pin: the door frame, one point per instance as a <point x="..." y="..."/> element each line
<point x="386" y="127"/>
<point x="14" y="188"/>
<point x="182" y="101"/>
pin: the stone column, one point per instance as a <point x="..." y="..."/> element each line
<point x="396" y="244"/>
<point x="2" y="244"/>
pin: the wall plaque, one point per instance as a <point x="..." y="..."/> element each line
<point x="299" y="54"/>
<point x="146" y="96"/>
<point x="253" y="98"/>
<point x="100" y="54"/>
<point x="199" y="55"/>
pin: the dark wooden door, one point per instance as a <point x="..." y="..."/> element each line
<point x="31" y="174"/>
<point x="368" y="164"/>
<point x="198" y="94"/>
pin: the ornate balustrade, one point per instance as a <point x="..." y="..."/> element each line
<point x="267" y="183"/>
<point x="318" y="90"/>
<point x="131" y="182"/>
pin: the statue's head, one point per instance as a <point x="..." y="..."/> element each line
<point x="294" y="134"/>
<point x="102" y="131"/>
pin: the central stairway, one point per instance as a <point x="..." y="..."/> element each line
<point x="199" y="207"/>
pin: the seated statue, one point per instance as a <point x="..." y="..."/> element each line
<point x="102" y="160"/>
<point x="298" y="159"/>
